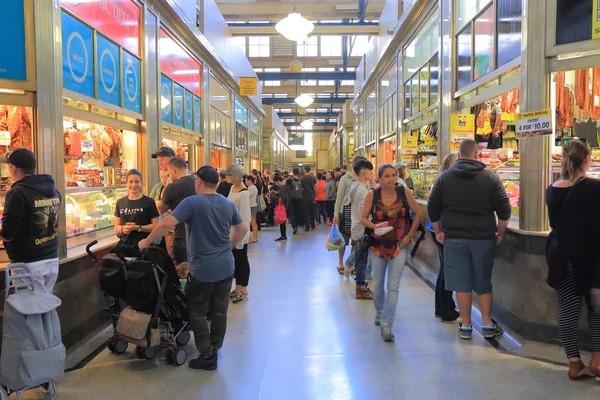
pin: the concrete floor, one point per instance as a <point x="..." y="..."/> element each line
<point x="302" y="335"/>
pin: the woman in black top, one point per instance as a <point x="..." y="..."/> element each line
<point x="135" y="214"/>
<point x="572" y="253"/>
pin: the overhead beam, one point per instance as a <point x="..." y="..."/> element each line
<point x="315" y="62"/>
<point x="332" y="114"/>
<point x="235" y="9"/>
<point x="315" y="124"/>
<point x="322" y="76"/>
<point x="290" y="100"/>
<point x="324" y="130"/>
<point x="287" y="89"/>
<point x="351" y="29"/>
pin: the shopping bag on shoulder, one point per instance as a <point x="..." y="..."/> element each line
<point x="280" y="213"/>
<point x="335" y="240"/>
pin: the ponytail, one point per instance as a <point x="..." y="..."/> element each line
<point x="574" y="154"/>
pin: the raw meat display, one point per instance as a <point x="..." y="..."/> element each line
<point x="72" y="138"/>
<point x="16" y="120"/>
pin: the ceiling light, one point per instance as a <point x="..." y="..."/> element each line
<point x="304" y="100"/>
<point x="307" y="124"/>
<point x="295" y="27"/>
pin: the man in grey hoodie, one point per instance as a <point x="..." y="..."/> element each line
<point x="469" y="197"/>
<point x="358" y="192"/>
<point x="342" y="202"/>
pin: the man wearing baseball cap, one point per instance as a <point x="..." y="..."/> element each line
<point x="30" y="219"/>
<point x="164" y="155"/>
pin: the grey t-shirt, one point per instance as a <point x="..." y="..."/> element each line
<point x="174" y="194"/>
<point x="308" y="186"/>
<point x="208" y="219"/>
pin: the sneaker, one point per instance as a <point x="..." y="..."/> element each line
<point x="378" y="318"/>
<point x="491" y="331"/>
<point x="295" y="231"/>
<point x="451" y="318"/>
<point x="205" y="363"/>
<point x="369" y="277"/>
<point x="386" y="334"/>
<point x="363" y="293"/>
<point x="45" y="387"/>
<point x="281" y="239"/>
<point x="465" y="332"/>
<point x="233" y="295"/>
<point x="242" y="298"/>
<point x="306" y="229"/>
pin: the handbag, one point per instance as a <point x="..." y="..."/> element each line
<point x="280" y="213"/>
<point x="346" y="220"/>
<point x="262" y="205"/>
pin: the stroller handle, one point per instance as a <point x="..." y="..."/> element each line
<point x="88" y="249"/>
<point x="23" y="280"/>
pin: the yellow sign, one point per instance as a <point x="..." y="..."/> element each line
<point x="430" y="141"/>
<point x="534" y="123"/>
<point x="75" y="104"/>
<point x="102" y="111"/>
<point x="248" y="86"/>
<point x="462" y="123"/>
<point x="424" y="89"/>
<point x="595" y="21"/>
<point x="508" y="116"/>
<point x="487" y="128"/>
<point x="454" y="147"/>
<point x="410" y="142"/>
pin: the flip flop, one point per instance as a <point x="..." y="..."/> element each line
<point x="253" y="241"/>
<point x="340" y="270"/>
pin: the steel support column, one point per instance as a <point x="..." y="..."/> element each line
<point x="446" y="77"/>
<point x="151" y="89"/>
<point x="535" y="151"/>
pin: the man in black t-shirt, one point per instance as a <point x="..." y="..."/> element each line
<point x="183" y="186"/>
<point x="309" y="183"/>
<point x="225" y="187"/>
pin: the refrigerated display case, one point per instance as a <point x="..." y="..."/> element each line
<point x="510" y="179"/>
<point x="423" y="180"/>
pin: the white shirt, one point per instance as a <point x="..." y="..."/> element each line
<point x="253" y="191"/>
<point x="241" y="200"/>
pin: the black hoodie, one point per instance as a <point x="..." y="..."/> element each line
<point x="466" y="196"/>
<point x="30" y="220"/>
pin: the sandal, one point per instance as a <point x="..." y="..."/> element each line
<point x="253" y="241"/>
<point x="340" y="270"/>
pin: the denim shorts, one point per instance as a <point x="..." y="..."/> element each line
<point x="468" y="265"/>
<point x="253" y="211"/>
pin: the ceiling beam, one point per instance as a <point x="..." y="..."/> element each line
<point x="240" y="10"/>
<point x="351" y="29"/>
<point x="286" y="76"/>
<point x="318" y="89"/>
<point x="283" y="115"/>
<point x="315" y="124"/>
<point x="309" y="62"/>
<point x="290" y="100"/>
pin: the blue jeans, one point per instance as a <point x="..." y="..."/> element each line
<point x="386" y="304"/>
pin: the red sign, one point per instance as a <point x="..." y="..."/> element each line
<point x="117" y="19"/>
<point x="178" y="65"/>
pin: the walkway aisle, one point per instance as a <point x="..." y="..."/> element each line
<point x="303" y="336"/>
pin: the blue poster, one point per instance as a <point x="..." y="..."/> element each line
<point x="109" y="82"/>
<point x="132" y="85"/>
<point x="13" y="64"/>
<point x="78" y="56"/>
<point x="177" y="105"/>
<point x="166" y="99"/>
<point x="197" y="114"/>
<point x="189" y="110"/>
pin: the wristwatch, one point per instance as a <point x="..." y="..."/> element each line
<point x="139" y="228"/>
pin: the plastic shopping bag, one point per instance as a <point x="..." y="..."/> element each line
<point x="335" y="240"/>
<point x="280" y="213"/>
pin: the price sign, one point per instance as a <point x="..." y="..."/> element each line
<point x="248" y="86"/>
<point x="534" y="123"/>
<point x="410" y="142"/>
<point x="4" y="138"/>
<point x="462" y="127"/>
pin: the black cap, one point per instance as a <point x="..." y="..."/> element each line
<point x="208" y="174"/>
<point x="20" y="158"/>
<point x="164" y="152"/>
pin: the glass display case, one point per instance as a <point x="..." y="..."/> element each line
<point x="90" y="213"/>
<point x="510" y="179"/>
<point x="423" y="180"/>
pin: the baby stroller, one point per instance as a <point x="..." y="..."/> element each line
<point x="146" y="306"/>
<point x="32" y="349"/>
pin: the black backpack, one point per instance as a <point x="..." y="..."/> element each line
<point x="297" y="189"/>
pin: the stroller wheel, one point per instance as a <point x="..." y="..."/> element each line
<point x="149" y="353"/>
<point x="183" y="338"/>
<point x="111" y="347"/>
<point x="120" y="346"/>
<point x="180" y="357"/>
<point x="139" y="352"/>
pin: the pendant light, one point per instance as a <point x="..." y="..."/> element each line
<point x="303" y="100"/>
<point x="295" y="27"/>
<point x="307" y="124"/>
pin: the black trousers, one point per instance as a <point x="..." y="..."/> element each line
<point x="309" y="213"/>
<point x="329" y="208"/>
<point x="242" y="266"/>
<point x="296" y="212"/>
<point x="283" y="230"/>
<point x="444" y="303"/>
<point x="208" y="301"/>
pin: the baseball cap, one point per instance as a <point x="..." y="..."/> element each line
<point x="164" y="152"/>
<point x="235" y="170"/>
<point x="208" y="174"/>
<point x="400" y="164"/>
<point x="20" y="158"/>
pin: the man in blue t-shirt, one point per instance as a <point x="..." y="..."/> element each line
<point x="208" y="218"/>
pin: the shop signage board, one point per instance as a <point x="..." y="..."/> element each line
<point x="189" y="110"/>
<point x="595" y="20"/>
<point x="78" y="56"/>
<point x="197" y="115"/>
<point x="13" y="59"/>
<point x="296" y="139"/>
<point x="177" y="105"/>
<point x="177" y="64"/>
<point x="535" y="123"/>
<point x="248" y="86"/>
<point x="166" y="99"/>
<point x="4" y="138"/>
<point x="117" y="19"/>
<point x="108" y="67"/>
<point x="410" y="147"/>
<point x="462" y="127"/>
<point x="132" y="85"/>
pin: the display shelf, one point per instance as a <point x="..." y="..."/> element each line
<point x="423" y="180"/>
<point x="69" y="190"/>
<point x="510" y="177"/>
<point x="91" y="210"/>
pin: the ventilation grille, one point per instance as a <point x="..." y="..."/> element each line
<point x="282" y="47"/>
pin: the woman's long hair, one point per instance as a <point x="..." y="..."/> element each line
<point x="574" y="154"/>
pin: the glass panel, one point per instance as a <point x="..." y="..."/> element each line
<point x="308" y="48"/>
<point x="424" y="88"/>
<point x="484" y="43"/>
<point x="574" y="20"/>
<point x="434" y="76"/>
<point x="509" y="30"/>
<point x="467" y="9"/>
<point x="463" y="75"/>
<point x="182" y="150"/>
<point x="415" y="94"/>
<point x="425" y="45"/>
<point x="407" y="94"/>
<point x="331" y="46"/>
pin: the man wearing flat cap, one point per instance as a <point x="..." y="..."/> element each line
<point x="30" y="219"/>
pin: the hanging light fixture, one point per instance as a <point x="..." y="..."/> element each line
<point x="307" y="124"/>
<point x="295" y="27"/>
<point x="304" y="100"/>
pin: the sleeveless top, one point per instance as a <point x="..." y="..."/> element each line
<point x="397" y="216"/>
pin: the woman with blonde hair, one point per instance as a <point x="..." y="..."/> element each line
<point x="445" y="308"/>
<point x="572" y="255"/>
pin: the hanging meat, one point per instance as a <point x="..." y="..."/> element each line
<point x="15" y="127"/>
<point x="115" y="149"/>
<point x="514" y="106"/>
<point x="27" y="128"/>
<point x="595" y="100"/>
<point x="497" y="119"/>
